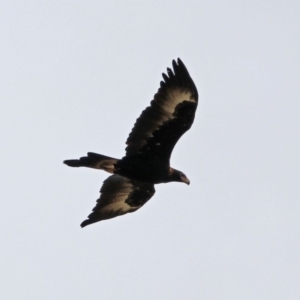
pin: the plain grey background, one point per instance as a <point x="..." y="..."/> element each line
<point x="75" y="75"/>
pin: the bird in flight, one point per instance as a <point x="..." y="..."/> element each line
<point x="149" y="146"/>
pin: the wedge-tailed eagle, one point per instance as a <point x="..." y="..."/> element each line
<point x="149" y="146"/>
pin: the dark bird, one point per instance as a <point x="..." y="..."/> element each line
<point x="149" y="146"/>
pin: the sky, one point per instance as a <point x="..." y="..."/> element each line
<point x="75" y="75"/>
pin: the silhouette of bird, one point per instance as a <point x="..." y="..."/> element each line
<point x="149" y="146"/>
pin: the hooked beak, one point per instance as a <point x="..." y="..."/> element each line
<point x="186" y="180"/>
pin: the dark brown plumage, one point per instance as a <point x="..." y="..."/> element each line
<point x="149" y="148"/>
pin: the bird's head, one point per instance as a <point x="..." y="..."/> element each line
<point x="179" y="176"/>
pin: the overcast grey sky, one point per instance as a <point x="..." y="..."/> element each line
<point x="75" y="75"/>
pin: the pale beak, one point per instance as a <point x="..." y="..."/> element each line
<point x="186" y="180"/>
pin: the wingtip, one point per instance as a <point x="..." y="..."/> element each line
<point x="90" y="220"/>
<point x="84" y="223"/>
<point x="177" y="62"/>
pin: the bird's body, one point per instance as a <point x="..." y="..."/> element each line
<point x="149" y="147"/>
<point x="152" y="171"/>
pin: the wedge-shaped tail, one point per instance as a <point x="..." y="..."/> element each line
<point x="95" y="161"/>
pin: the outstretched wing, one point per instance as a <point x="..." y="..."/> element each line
<point x="119" y="196"/>
<point x="169" y="116"/>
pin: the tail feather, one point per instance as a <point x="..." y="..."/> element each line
<point x="95" y="161"/>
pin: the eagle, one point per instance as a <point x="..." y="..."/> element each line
<point x="149" y="147"/>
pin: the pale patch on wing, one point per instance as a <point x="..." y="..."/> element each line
<point x="174" y="97"/>
<point x="114" y="193"/>
<point x="177" y="89"/>
<point x="119" y="206"/>
<point x="165" y="112"/>
<point x="119" y="196"/>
